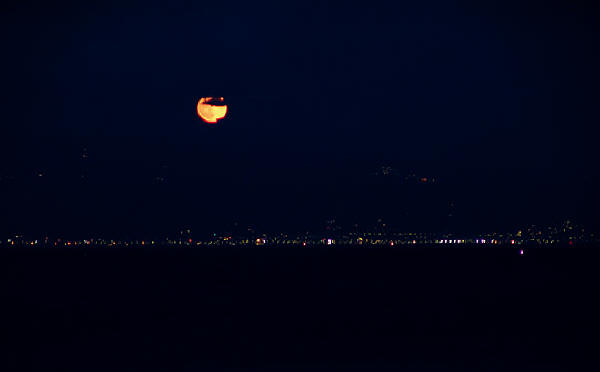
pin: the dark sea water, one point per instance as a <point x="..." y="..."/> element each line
<point x="271" y="309"/>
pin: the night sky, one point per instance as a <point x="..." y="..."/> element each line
<point x="496" y="101"/>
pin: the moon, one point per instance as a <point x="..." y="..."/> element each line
<point x="209" y="112"/>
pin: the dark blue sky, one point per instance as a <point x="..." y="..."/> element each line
<point x="497" y="101"/>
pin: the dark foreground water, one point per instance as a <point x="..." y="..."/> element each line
<point x="267" y="309"/>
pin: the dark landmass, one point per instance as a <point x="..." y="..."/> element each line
<point x="327" y="308"/>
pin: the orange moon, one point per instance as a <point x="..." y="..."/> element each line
<point x="211" y="113"/>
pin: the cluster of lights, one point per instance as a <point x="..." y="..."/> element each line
<point x="229" y="240"/>
<point x="451" y="241"/>
<point x="521" y="238"/>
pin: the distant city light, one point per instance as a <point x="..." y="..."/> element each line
<point x="545" y="236"/>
